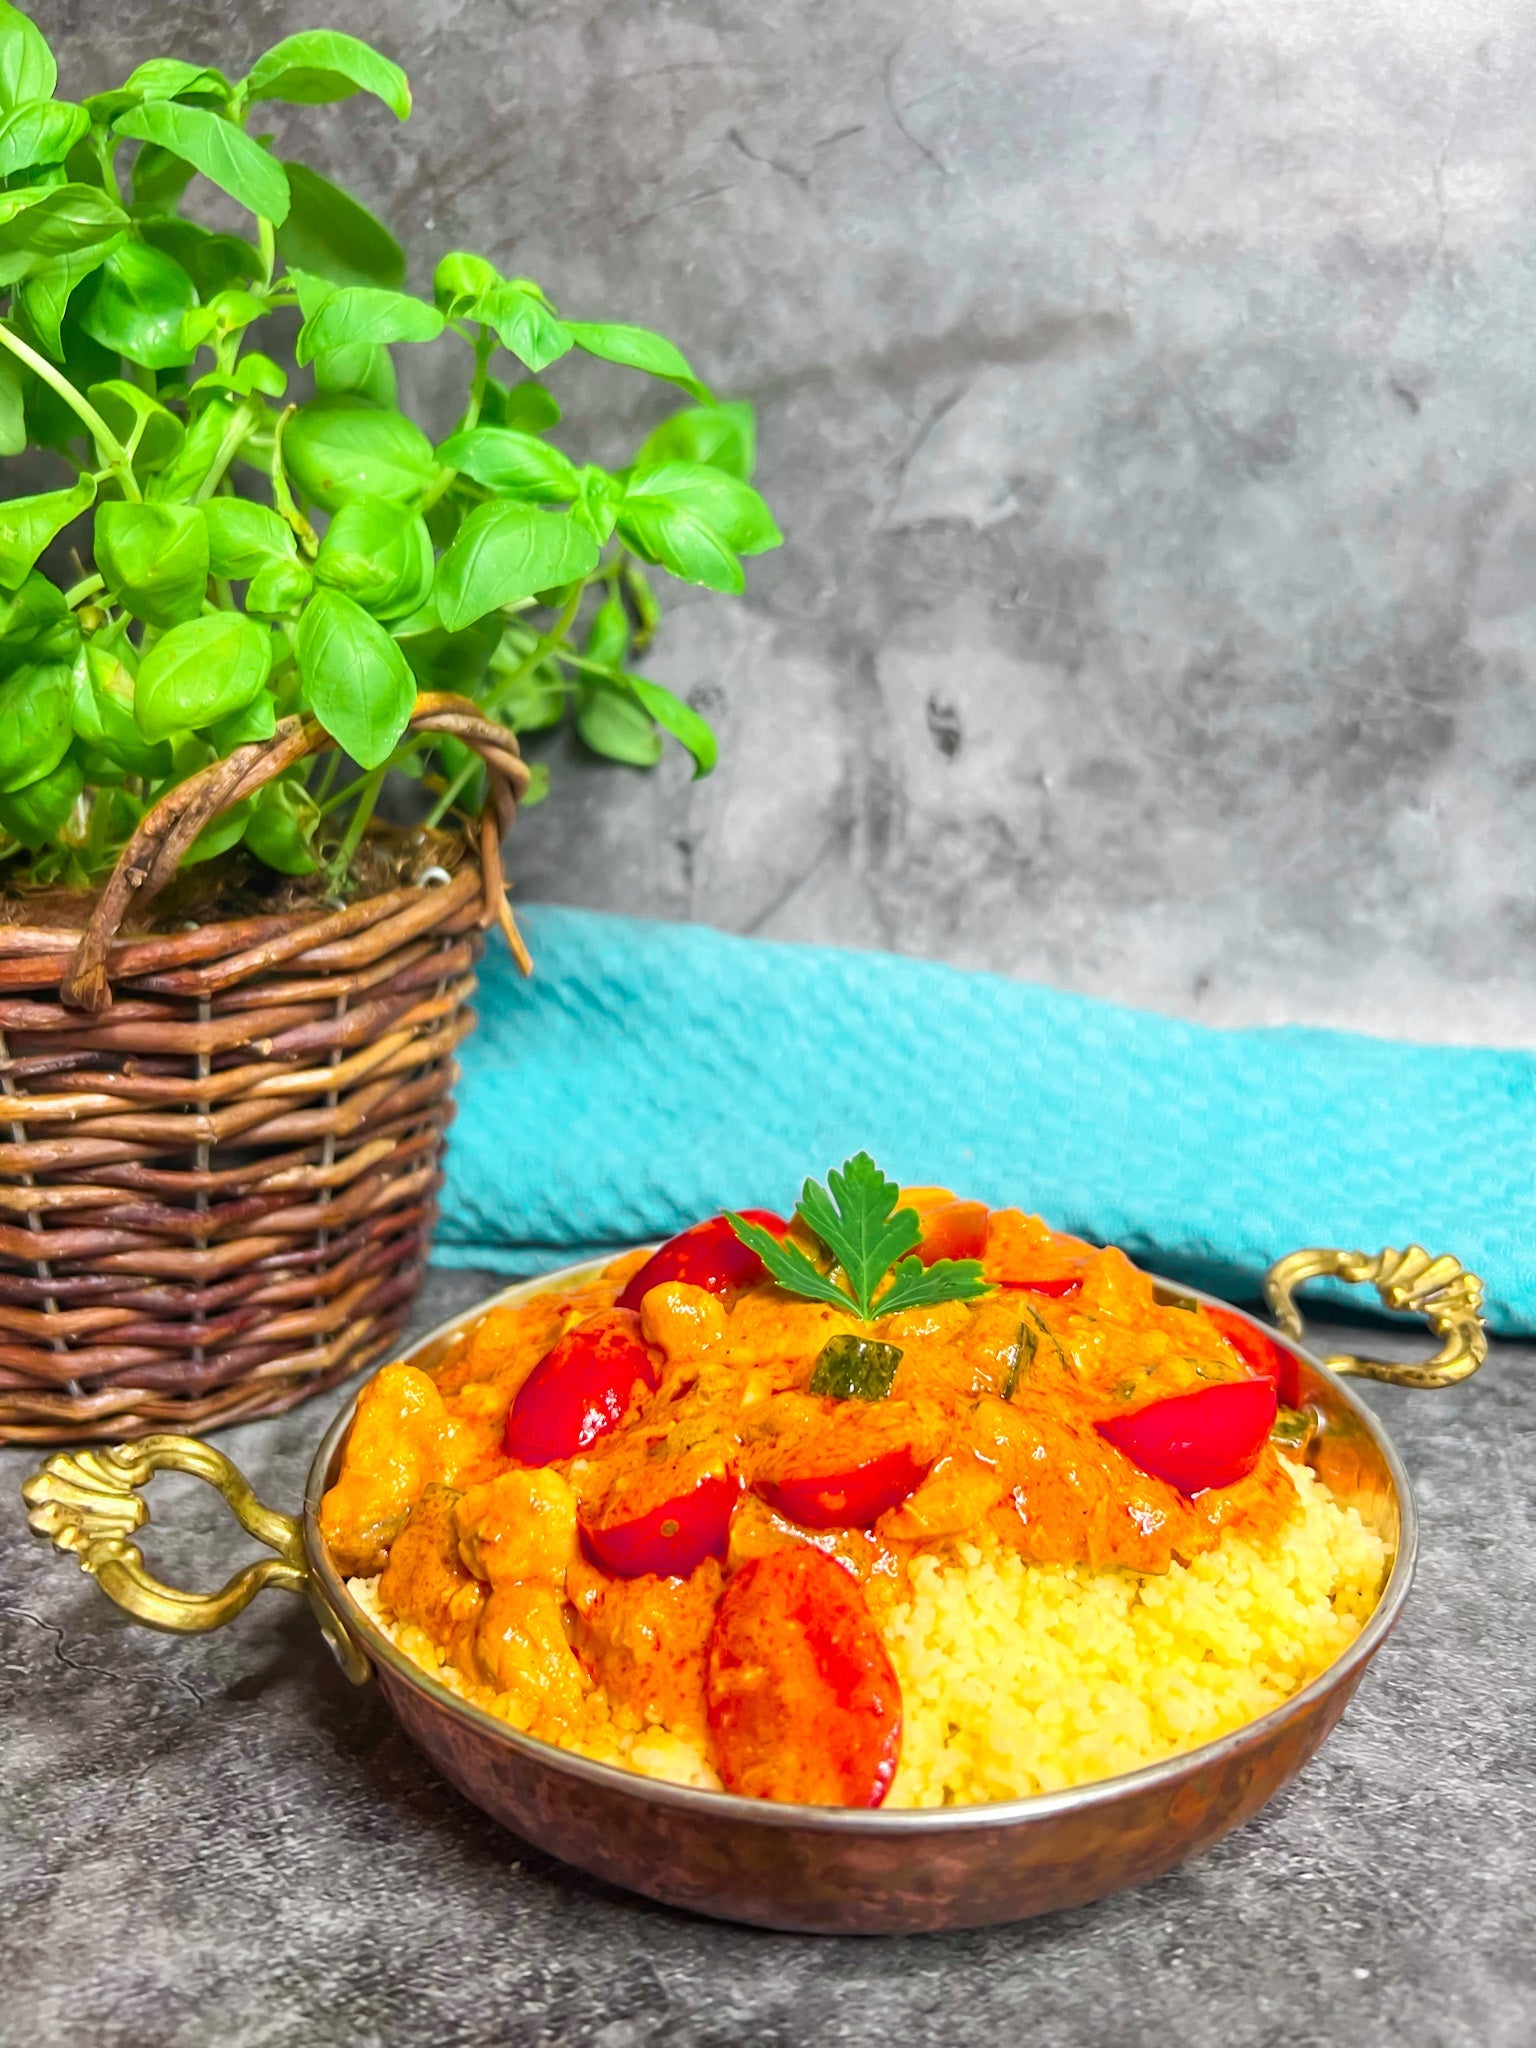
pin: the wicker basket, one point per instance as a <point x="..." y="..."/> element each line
<point x="224" y="1141"/>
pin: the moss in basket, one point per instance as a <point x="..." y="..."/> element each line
<point x="242" y="550"/>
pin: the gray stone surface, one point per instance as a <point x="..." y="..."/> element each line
<point x="218" y="1843"/>
<point x="1147" y="392"/>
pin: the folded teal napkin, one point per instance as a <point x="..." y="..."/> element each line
<point x="650" y="1074"/>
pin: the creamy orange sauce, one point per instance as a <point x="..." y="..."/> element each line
<point x="996" y="1398"/>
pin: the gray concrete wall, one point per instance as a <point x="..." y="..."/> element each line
<point x="1148" y="393"/>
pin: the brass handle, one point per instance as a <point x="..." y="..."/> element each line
<point x="1441" y="1290"/>
<point x="88" y="1502"/>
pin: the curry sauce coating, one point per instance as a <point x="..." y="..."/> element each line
<point x="996" y="1398"/>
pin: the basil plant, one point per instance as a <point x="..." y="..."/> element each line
<point x="256" y="529"/>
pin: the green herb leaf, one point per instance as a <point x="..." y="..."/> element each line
<point x="36" y="625"/>
<point x="363" y="368"/>
<point x="614" y="725"/>
<point x="172" y="78"/>
<point x="254" y="721"/>
<point x="379" y="553"/>
<point x="35" y="727"/>
<point x="282" y="827"/>
<point x="447" y="661"/>
<point x="40" y="132"/>
<point x="153" y="434"/>
<point x="855" y="1216"/>
<point x="154" y="559"/>
<point x="201" y="672"/>
<point x="213" y="262"/>
<point x="358" y="313"/>
<point x="356" y="680"/>
<point x="517" y="465"/>
<point x="852" y="1368"/>
<point x="339" y="447"/>
<point x="914" y="1285"/>
<point x="134" y="306"/>
<point x="680" y="719"/>
<point x="637" y="349"/>
<point x="40" y="224"/>
<point x="219" y="835"/>
<point x="13" y="415"/>
<point x="224" y="154"/>
<point x="35" y="815"/>
<point x="243" y="537"/>
<point x="459" y="282"/>
<point x="527" y="406"/>
<point x="503" y="552"/>
<point x="101" y="711"/>
<point x="44" y="299"/>
<point x="724" y="436"/>
<point x="322" y="64"/>
<point x="334" y="236"/>
<point x="675" y="539"/>
<point x="278" y="589"/>
<point x="525" y="323"/>
<point x="27" y="69"/>
<point x="722" y="503"/>
<point x="28" y="524"/>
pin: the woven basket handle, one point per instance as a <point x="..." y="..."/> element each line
<point x="154" y="853"/>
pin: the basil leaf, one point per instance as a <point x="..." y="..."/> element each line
<point x="850" y="1368"/>
<point x="378" y="553"/>
<point x="677" y="718"/>
<point x="58" y="220"/>
<point x="201" y="672"/>
<point x="725" y="436"/>
<point x="213" y="262"/>
<point x="441" y="660"/>
<point x="36" y="814"/>
<point x="36" y="625"/>
<point x="27" y="69"/>
<point x="44" y="298"/>
<point x="722" y="503"/>
<point x="460" y="280"/>
<point x="525" y="323"/>
<point x="339" y="447"/>
<point x="333" y="235"/>
<point x="35" y="727"/>
<point x="615" y="727"/>
<point x="123" y="406"/>
<point x="608" y="636"/>
<point x="198" y="452"/>
<point x="364" y="369"/>
<point x="28" y="524"/>
<point x="135" y="304"/>
<point x="224" y="154"/>
<point x="217" y="837"/>
<point x="638" y="349"/>
<point x="322" y="64"/>
<point x="679" y="542"/>
<point x="159" y="179"/>
<point x="504" y="552"/>
<point x="356" y="680"/>
<point x="282" y="827"/>
<point x="172" y="78"/>
<point x="278" y="589"/>
<point x="517" y="465"/>
<point x="13" y="419"/>
<point x="364" y="313"/>
<point x="531" y="703"/>
<point x="154" y="559"/>
<point x="254" y="721"/>
<point x="101" y="711"/>
<point x="40" y="132"/>
<point x="527" y="406"/>
<point x="243" y="537"/>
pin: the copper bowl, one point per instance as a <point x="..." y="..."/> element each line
<point x="809" y="1868"/>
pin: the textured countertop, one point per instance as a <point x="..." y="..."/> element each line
<point x="220" y="1841"/>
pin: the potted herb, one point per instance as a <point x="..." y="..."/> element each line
<point x="231" y="993"/>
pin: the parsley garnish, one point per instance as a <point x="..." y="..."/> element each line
<point x="867" y="1236"/>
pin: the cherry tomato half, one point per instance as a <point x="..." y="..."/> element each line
<point x="1058" y="1290"/>
<point x="955" y="1230"/>
<point x="1259" y="1351"/>
<point x="578" y="1391"/>
<point x="710" y="1255"/>
<point x="802" y="1700"/>
<point x="672" y="1540"/>
<point x="1212" y="1437"/>
<point x="854" y="1499"/>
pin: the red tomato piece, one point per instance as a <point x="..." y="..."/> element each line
<point x="854" y="1499"/>
<point x="1058" y="1290"/>
<point x="672" y="1540"/>
<point x="1259" y="1351"/>
<point x="710" y="1255"/>
<point x="1212" y="1437"/>
<point x="803" y="1703"/>
<point x="955" y="1230"/>
<point x="578" y="1391"/>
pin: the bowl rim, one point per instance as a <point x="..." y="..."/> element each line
<point x="705" y="1803"/>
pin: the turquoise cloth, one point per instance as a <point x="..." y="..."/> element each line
<point x="651" y="1074"/>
